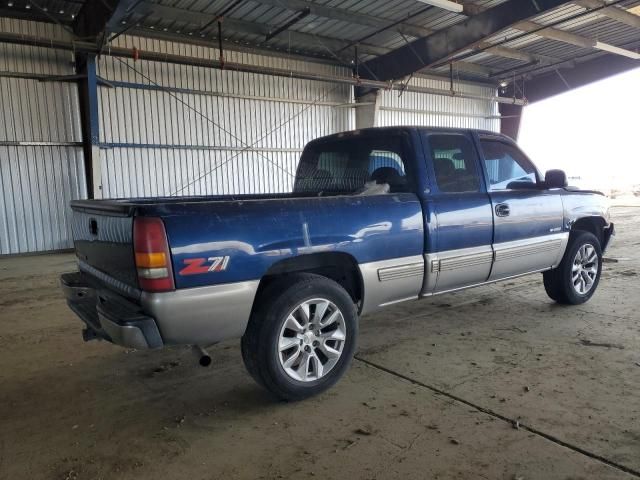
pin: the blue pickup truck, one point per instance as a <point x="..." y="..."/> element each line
<point x="375" y="217"/>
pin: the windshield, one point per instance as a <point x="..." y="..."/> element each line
<point x="349" y="165"/>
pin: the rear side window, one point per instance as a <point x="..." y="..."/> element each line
<point x="352" y="164"/>
<point x="506" y="164"/>
<point x="455" y="163"/>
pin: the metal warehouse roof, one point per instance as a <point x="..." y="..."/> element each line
<point x="337" y="30"/>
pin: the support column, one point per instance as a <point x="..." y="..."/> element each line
<point x="88" y="94"/>
<point x="367" y="107"/>
<point x="510" y="121"/>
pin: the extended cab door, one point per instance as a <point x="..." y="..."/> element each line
<point x="458" y="209"/>
<point x="528" y="219"/>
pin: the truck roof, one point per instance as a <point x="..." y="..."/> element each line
<point x="403" y="128"/>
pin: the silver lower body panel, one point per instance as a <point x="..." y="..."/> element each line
<point x="202" y="315"/>
<point x="391" y="281"/>
<point x="457" y="268"/>
<point x="532" y="254"/>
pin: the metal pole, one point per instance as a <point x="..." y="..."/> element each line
<point x="88" y="90"/>
<point x="88" y="47"/>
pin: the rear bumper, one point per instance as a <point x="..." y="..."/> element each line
<point x="193" y="316"/>
<point x="109" y="316"/>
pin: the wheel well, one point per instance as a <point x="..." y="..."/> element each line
<point x="339" y="267"/>
<point x="593" y="225"/>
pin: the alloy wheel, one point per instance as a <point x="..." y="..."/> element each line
<point x="311" y="340"/>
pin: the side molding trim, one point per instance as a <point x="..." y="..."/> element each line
<point x="391" y="281"/>
<point x="513" y="258"/>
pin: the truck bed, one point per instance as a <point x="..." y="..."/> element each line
<point x="252" y="232"/>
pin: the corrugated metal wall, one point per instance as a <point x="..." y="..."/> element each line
<point x="410" y="108"/>
<point x="41" y="160"/>
<point x="170" y="129"/>
<point x="182" y="130"/>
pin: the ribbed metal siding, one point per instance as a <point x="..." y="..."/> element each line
<point x="37" y="185"/>
<point x="41" y="163"/>
<point x="413" y="108"/>
<point x="194" y="139"/>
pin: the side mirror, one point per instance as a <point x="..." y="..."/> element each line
<point x="555" y="179"/>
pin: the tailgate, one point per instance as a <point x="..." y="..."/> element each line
<point x="103" y="241"/>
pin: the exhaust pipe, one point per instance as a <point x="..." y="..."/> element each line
<point x="204" y="359"/>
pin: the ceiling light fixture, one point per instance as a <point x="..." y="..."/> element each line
<point x="617" y="50"/>
<point x="445" y="4"/>
<point x="503" y="83"/>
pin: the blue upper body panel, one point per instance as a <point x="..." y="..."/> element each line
<point x="255" y="234"/>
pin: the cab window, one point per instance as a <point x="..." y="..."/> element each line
<point x="505" y="165"/>
<point x="349" y="165"/>
<point x="454" y="163"/>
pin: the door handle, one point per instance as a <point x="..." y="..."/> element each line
<point x="502" y="210"/>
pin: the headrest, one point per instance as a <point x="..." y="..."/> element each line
<point x="444" y="166"/>
<point x="385" y="175"/>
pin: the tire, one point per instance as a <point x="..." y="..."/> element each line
<point x="568" y="285"/>
<point x="311" y="360"/>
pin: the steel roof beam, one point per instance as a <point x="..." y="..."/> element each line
<point x="372" y="21"/>
<point x="505" y="52"/>
<point x="437" y="47"/>
<point x="91" y="48"/>
<point x="612" y="12"/>
<point x="347" y="16"/>
<point x="472" y="68"/>
<point x="572" y="39"/>
<point x="35" y="16"/>
<point x="549" y="83"/>
<point x="200" y="21"/>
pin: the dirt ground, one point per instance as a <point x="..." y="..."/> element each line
<point x="494" y="383"/>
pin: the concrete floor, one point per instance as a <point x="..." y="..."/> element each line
<point x="496" y="382"/>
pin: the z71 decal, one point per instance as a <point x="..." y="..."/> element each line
<point x="196" y="266"/>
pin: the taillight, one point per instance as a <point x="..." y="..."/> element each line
<point x="153" y="260"/>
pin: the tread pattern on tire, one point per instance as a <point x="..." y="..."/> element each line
<point x="557" y="282"/>
<point x="254" y="341"/>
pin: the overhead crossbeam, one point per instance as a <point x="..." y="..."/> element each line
<point x="348" y="16"/>
<point x="612" y="12"/>
<point x="573" y="39"/>
<point x="427" y="51"/>
<point x="200" y="19"/>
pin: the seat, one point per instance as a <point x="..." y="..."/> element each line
<point x="445" y="173"/>
<point x="385" y="175"/>
<point x="390" y="176"/>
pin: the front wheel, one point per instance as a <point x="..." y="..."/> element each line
<point x="301" y="336"/>
<point x="575" y="280"/>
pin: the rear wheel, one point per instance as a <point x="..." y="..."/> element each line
<point x="301" y="337"/>
<point x="575" y="280"/>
